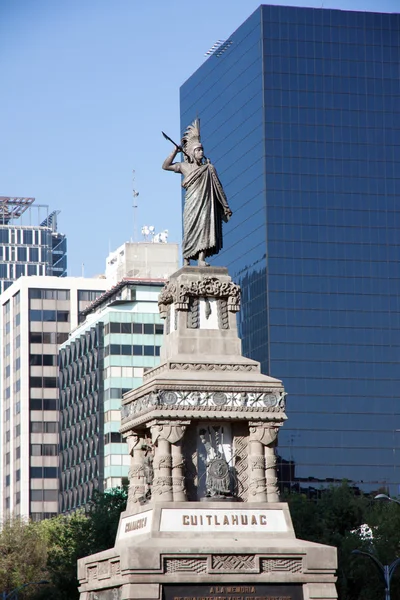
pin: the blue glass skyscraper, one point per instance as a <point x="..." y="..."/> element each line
<point x="300" y="113"/>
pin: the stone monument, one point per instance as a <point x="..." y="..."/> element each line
<point x="203" y="519"/>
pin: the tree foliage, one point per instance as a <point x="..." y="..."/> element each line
<point x="334" y="518"/>
<point x="23" y="555"/>
<point x="49" y="550"/>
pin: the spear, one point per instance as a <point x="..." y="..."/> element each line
<point x="176" y="145"/>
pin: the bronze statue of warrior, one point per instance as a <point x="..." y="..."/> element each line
<point x="205" y="201"/>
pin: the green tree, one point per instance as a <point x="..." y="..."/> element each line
<point x="334" y="518"/>
<point x="23" y="555"/>
<point x="77" y="535"/>
<point x="103" y="514"/>
<point x="67" y="540"/>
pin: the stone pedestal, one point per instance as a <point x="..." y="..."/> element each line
<point x="203" y="427"/>
<point x="191" y="550"/>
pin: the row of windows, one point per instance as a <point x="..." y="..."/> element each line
<point x="43" y="472"/>
<point x="46" y="360"/>
<point x="60" y="316"/>
<point x="113" y="438"/>
<point x="8" y="455"/>
<point x="44" y="427"/>
<point x="310" y="183"/>
<point x="80" y="346"/>
<point x="7" y="434"/>
<point x="39" y="337"/>
<point x="10" y="235"/>
<point x="115" y="393"/>
<point x="139" y="328"/>
<point x="89" y="295"/>
<point x="43" y="382"/>
<point x="283" y="15"/>
<point x="330" y="233"/>
<point x="44" y="495"/>
<point x="330" y="300"/>
<point x="17" y="477"/>
<point x="39" y="516"/>
<point x="329" y="167"/>
<point x="42" y="294"/>
<point x="44" y="450"/>
<point x="43" y="404"/>
<point x="333" y="66"/>
<point x="320" y="25"/>
<point x="369" y="440"/>
<point x="332" y="458"/>
<point x="364" y="53"/>
<point x="22" y="254"/>
<point x="283" y="105"/>
<point x="128" y="350"/>
<point x="14" y="271"/>
<point x="350" y="124"/>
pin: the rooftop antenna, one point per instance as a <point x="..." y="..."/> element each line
<point x="135" y="194"/>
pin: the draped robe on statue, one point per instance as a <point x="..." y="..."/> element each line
<point x="205" y="203"/>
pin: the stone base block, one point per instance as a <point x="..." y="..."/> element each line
<point x="205" y="551"/>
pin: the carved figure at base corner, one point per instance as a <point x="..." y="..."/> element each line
<point x="206" y="205"/>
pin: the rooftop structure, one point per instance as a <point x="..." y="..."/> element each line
<point x="27" y="249"/>
<point x="146" y="260"/>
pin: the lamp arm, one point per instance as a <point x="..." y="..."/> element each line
<point x="393" y="567"/>
<point x="376" y="562"/>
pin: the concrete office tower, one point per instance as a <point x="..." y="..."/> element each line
<point x="27" y="249"/>
<point x="36" y="316"/>
<point x="103" y="358"/>
<point x="146" y="260"/>
<point x="300" y="115"/>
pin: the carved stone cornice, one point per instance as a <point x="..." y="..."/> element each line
<point x="229" y="415"/>
<point x="204" y="399"/>
<point x="202" y="366"/>
<point x="207" y="287"/>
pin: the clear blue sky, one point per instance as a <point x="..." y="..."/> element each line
<point x="86" y="88"/>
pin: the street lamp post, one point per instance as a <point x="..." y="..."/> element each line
<point x="386" y="571"/>
<point x="13" y="595"/>
<point x="386" y="497"/>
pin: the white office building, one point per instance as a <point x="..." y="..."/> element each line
<point x="37" y="315"/>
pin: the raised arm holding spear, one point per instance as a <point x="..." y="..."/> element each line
<point x="205" y="201"/>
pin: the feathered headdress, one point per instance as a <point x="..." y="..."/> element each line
<point x="191" y="138"/>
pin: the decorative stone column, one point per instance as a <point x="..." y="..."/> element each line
<point x="137" y="480"/>
<point x="263" y="481"/>
<point x="169" y="480"/>
<point x="270" y="472"/>
<point x="257" y="483"/>
<point x="178" y="429"/>
<point x="162" y="482"/>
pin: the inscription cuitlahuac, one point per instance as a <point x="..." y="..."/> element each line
<point x="224" y="519"/>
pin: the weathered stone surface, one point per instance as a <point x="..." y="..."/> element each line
<point x="203" y="504"/>
<point x="257" y="546"/>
